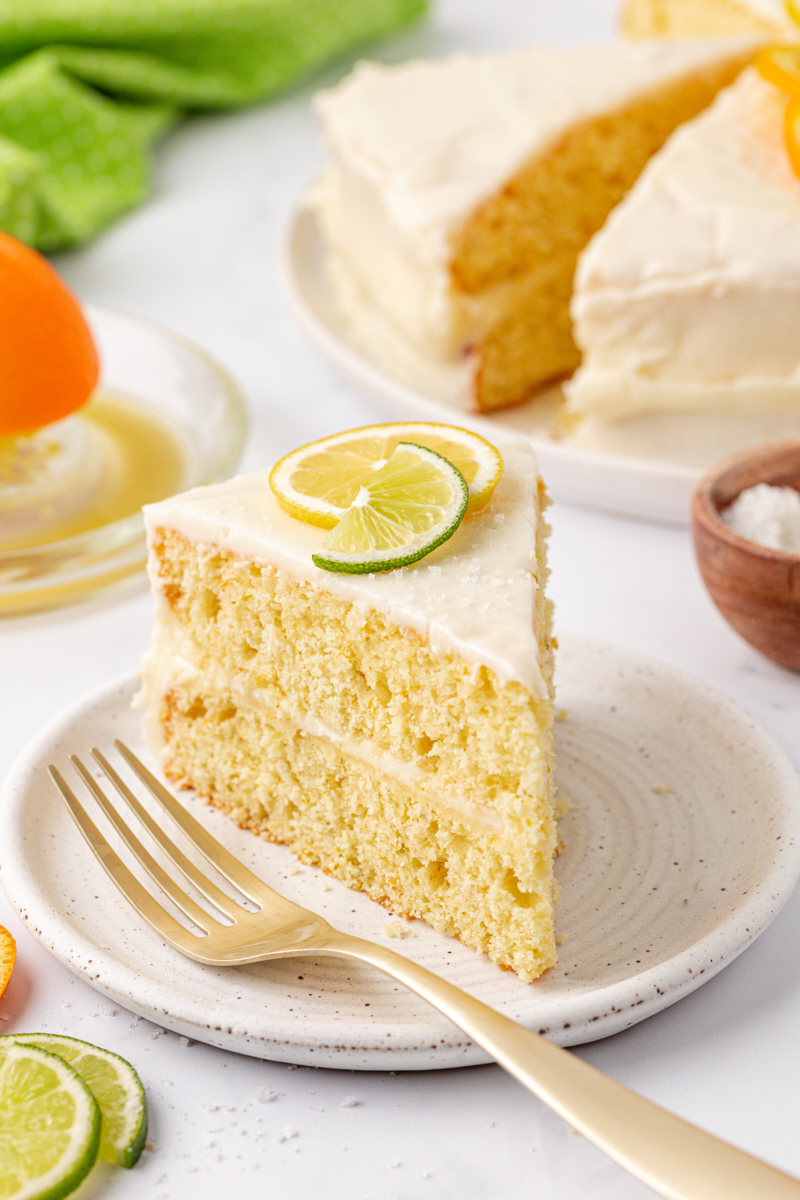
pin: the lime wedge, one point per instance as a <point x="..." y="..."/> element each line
<point x="49" y="1125"/>
<point x="409" y="507"/>
<point x="114" y="1084"/>
<point x="318" y="483"/>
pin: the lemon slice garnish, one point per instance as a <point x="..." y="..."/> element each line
<point x="781" y="66"/>
<point x="319" y="482"/>
<point x="409" y="507"/>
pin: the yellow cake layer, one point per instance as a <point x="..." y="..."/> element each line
<point x="396" y="729"/>
<point x="494" y="893"/>
<point x="518" y="251"/>
<point x="308" y="655"/>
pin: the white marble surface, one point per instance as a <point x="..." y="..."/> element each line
<point x="202" y="258"/>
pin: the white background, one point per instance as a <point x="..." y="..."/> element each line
<point x="202" y="257"/>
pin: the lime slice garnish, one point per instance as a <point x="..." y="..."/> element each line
<point x="115" y="1086"/>
<point x="317" y="483"/>
<point x="49" y="1125"/>
<point x="409" y="507"/>
<point x="8" y="956"/>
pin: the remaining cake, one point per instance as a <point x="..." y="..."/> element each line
<point x="687" y="301"/>
<point x="705" y="18"/>
<point x="460" y="193"/>
<point x="394" y="728"/>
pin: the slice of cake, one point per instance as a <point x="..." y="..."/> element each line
<point x="459" y="194"/>
<point x="705" y="18"/>
<point x="687" y="301"/>
<point x="394" y="728"/>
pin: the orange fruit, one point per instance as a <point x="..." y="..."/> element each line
<point x="8" y="956"/>
<point x="781" y="66"/>
<point x="48" y="356"/>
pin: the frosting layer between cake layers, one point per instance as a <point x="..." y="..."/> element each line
<point x="416" y="148"/>
<point x="687" y="300"/>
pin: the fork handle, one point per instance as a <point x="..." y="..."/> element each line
<point x="676" y="1159"/>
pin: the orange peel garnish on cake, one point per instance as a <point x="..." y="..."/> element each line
<point x="781" y="66"/>
<point x="8" y="956"/>
<point x="50" y="361"/>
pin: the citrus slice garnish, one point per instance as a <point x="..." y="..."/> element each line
<point x="114" y="1084"/>
<point x="781" y="66"/>
<point x="49" y="1125"/>
<point x="50" y="365"/>
<point x="409" y="507"/>
<point x="792" y="130"/>
<point x="8" y="956"/>
<point x="317" y="483"/>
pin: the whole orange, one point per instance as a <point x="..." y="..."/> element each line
<point x="48" y="359"/>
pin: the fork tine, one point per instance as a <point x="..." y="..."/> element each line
<point x="203" y="884"/>
<point x="234" y="871"/>
<point x="168" y="886"/>
<point x="137" y="896"/>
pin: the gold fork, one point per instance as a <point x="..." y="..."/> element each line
<point x="676" y="1159"/>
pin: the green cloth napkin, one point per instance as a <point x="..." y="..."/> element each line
<point x="87" y="85"/>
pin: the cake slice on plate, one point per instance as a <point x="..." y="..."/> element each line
<point x="686" y="303"/>
<point x="395" y="727"/>
<point x="459" y="194"/>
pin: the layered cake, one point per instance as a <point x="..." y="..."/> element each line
<point x="459" y="194"/>
<point x="705" y="18"/>
<point x="686" y="303"/>
<point x="394" y="728"/>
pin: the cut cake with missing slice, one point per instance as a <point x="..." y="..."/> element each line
<point x="460" y="192"/>
<point x="395" y="728"/>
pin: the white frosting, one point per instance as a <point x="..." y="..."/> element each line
<point x="475" y="595"/>
<point x="170" y="662"/>
<point x="687" y="300"/>
<point x="415" y="148"/>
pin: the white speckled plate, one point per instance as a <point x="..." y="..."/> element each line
<point x="656" y="490"/>
<point x="682" y="843"/>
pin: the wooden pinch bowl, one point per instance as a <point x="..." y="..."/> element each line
<point x="756" y="589"/>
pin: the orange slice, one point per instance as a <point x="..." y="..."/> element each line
<point x="49" y="360"/>
<point x="8" y="956"/>
<point x="781" y="66"/>
<point x="792" y="128"/>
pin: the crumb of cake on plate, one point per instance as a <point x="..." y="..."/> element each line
<point x="394" y="728"/>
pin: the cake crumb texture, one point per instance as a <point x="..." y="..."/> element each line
<point x="417" y="777"/>
<point x="515" y="257"/>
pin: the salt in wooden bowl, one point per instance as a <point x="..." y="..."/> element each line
<point x="756" y="588"/>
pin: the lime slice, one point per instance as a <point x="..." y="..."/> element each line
<point x="318" y="483"/>
<point x="114" y="1084"/>
<point x="8" y="956"/>
<point x="49" y="1125"/>
<point x="410" y="506"/>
